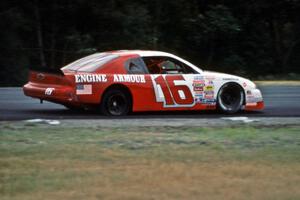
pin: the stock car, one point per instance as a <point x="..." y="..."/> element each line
<point x="119" y="82"/>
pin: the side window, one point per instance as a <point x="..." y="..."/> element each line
<point x="166" y="65"/>
<point x="136" y="66"/>
<point x="169" y="67"/>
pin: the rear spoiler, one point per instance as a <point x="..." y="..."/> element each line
<point x="47" y="70"/>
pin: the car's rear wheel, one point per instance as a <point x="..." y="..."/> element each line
<point x="230" y="98"/>
<point x="116" y="102"/>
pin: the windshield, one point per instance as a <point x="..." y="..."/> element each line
<point x="90" y="63"/>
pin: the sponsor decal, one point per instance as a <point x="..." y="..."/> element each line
<point x="230" y="79"/>
<point x="49" y="91"/>
<point x="204" y="98"/>
<point x="198" y="100"/>
<point x="210" y="77"/>
<point x="83" y="89"/>
<point x="208" y="96"/>
<point x="198" y="85"/>
<point x="209" y="88"/>
<point x="119" y="78"/>
<point x="126" y="78"/>
<point x="205" y="101"/>
<point x="200" y="88"/>
<point x="204" y="90"/>
<point x="199" y="96"/>
<point x="210" y="82"/>
<point x="209" y="92"/>
<point x="198" y="92"/>
<point x="209" y="101"/>
<point x="245" y="84"/>
<point x="198" y="78"/>
<point x="90" y="78"/>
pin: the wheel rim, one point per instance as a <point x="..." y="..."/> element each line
<point x="116" y="104"/>
<point x="230" y="98"/>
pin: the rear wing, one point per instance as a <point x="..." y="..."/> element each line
<point x="47" y="70"/>
<point x="48" y="76"/>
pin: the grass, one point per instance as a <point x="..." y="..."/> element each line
<point x="242" y="162"/>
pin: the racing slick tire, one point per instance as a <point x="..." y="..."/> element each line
<point x="116" y="102"/>
<point x="230" y="98"/>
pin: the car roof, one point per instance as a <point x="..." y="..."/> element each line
<point x="142" y="53"/>
<point x="150" y="53"/>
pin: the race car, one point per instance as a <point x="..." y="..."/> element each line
<point x="120" y="82"/>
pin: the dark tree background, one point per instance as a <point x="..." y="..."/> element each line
<point x="250" y="38"/>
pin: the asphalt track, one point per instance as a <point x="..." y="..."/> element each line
<point x="280" y="101"/>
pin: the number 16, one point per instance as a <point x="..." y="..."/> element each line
<point x="171" y="92"/>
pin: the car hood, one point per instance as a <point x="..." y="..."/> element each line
<point x="221" y="75"/>
<point x="229" y="77"/>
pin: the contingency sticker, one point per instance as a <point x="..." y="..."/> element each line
<point x="204" y="90"/>
<point x="198" y="85"/>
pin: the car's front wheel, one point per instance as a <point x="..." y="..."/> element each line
<point x="230" y="98"/>
<point x="116" y="102"/>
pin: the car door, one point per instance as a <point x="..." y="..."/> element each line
<point x="172" y="82"/>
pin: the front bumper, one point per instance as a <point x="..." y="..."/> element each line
<point x="254" y="100"/>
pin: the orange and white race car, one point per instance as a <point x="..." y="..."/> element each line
<point x="118" y="82"/>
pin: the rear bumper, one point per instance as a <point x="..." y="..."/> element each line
<point x="54" y="93"/>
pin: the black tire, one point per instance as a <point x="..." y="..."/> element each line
<point x="116" y="102"/>
<point x="230" y="98"/>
